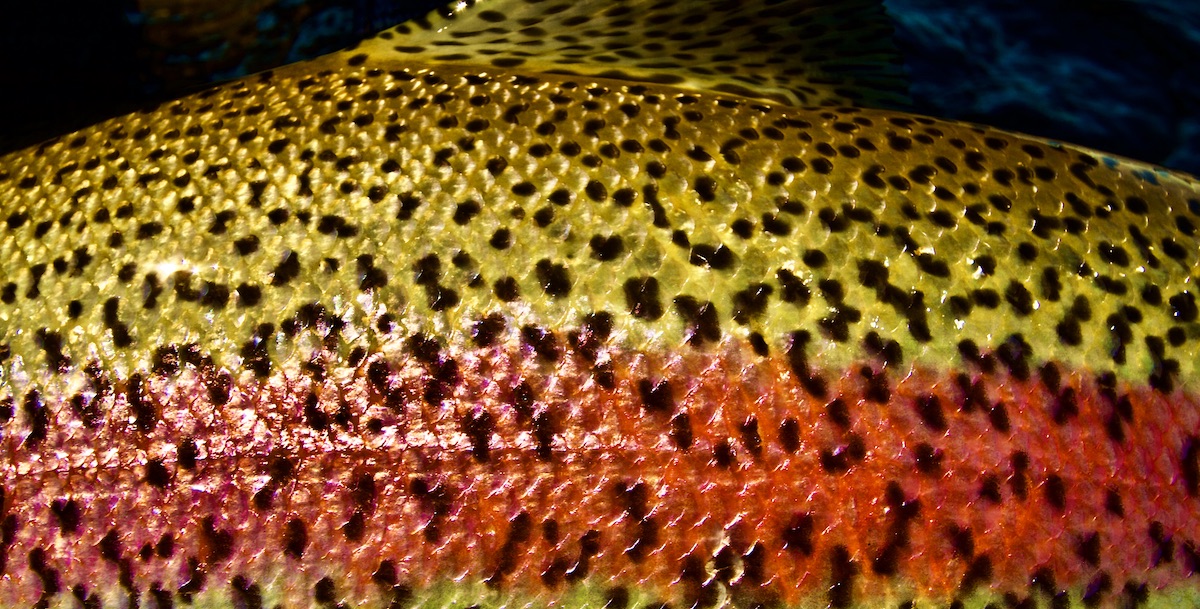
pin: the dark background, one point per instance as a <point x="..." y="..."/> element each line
<point x="1118" y="75"/>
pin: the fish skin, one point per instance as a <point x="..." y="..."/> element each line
<point x="825" y="436"/>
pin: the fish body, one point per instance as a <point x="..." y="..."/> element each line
<point x="449" y="320"/>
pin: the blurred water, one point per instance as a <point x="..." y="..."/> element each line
<point x="1120" y="76"/>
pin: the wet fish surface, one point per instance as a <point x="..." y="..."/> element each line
<point x="594" y="304"/>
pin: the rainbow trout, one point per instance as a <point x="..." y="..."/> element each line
<point x="586" y="304"/>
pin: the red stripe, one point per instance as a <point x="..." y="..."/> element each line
<point x="603" y="439"/>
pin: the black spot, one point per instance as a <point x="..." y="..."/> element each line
<point x="51" y="581"/>
<point x="928" y="459"/>
<point x="789" y="434"/>
<point x="681" y="430"/>
<point x="280" y="469"/>
<point x="186" y="454"/>
<point x="798" y="360"/>
<point x="596" y="329"/>
<point x="324" y="592"/>
<point x="751" y="302"/>
<point x="248" y="295"/>
<point x="246" y="245"/>
<point x="408" y="204"/>
<point x="543" y="434"/>
<point x="157" y="474"/>
<point x="501" y="239"/>
<point x="1056" y="492"/>
<point x="544" y="216"/>
<point x="219" y="387"/>
<point x="792" y="288"/>
<point x="51" y="344"/>
<point x="702" y="320"/>
<point x="706" y="188"/>
<point x="836" y="326"/>
<point x="570" y="149"/>
<point x="1137" y="205"/>
<point x="560" y="197"/>
<point x="1113" y="254"/>
<point x="1173" y="249"/>
<point x="841" y="458"/>
<point x="750" y="437"/>
<point x="887" y="350"/>
<point x="979" y="572"/>
<point x="1020" y="474"/>
<point x="145" y="418"/>
<point x="465" y="211"/>
<point x="68" y="514"/>
<point x="643" y="299"/>
<point x="841" y="578"/>
<point x="478" y="426"/>
<point x="110" y="546"/>
<point x="553" y="277"/>
<point x="506" y="289"/>
<point x="17" y="219"/>
<point x="1190" y="465"/>
<point x="370" y="276"/>
<point x="814" y="258"/>
<point x="616" y="598"/>
<point x="425" y="349"/>
<point x="519" y="531"/>
<point x="1176" y="336"/>
<point x="287" y="269"/>
<point x="596" y="191"/>
<point x="606" y="248"/>
<point x="1015" y="353"/>
<point x="1088" y="549"/>
<point x="255" y="353"/>
<point x="440" y="297"/>
<point x="832" y="220"/>
<point x="899" y="143"/>
<point x="544" y="344"/>
<point x="697" y="153"/>
<point x="989" y="488"/>
<point x="1152" y="295"/>
<point x="486" y="331"/>
<point x="656" y="396"/>
<point x="295" y="538"/>
<point x="877" y="389"/>
<point x="832" y="290"/>
<point x="931" y="265"/>
<point x="759" y="344"/>
<point x="961" y="541"/>
<point x="1164" y="551"/>
<point x="929" y="408"/>
<point x="723" y="454"/>
<point x="219" y="542"/>
<point x="1183" y="307"/>
<point x="332" y="224"/>
<point x="797" y="536"/>
<point x="1019" y="298"/>
<point x="716" y="257"/>
<point x="772" y="224"/>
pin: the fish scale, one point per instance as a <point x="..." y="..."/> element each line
<point x="397" y="326"/>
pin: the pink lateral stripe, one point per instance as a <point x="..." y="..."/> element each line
<point x="436" y="504"/>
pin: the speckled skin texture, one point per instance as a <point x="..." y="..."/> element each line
<point x="367" y="333"/>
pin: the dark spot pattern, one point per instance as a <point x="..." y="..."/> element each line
<point x="673" y="221"/>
